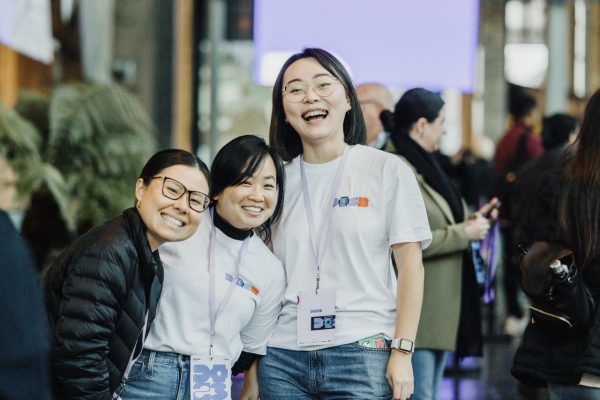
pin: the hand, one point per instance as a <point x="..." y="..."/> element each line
<point x="400" y="375"/>
<point x="250" y="388"/>
<point x="477" y="227"/>
<point x="490" y="208"/>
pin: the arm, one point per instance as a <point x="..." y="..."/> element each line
<point x="250" y="388"/>
<point x="449" y="239"/>
<point x="408" y="311"/>
<point x="89" y="307"/>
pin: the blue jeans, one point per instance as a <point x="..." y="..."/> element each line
<point x="428" y="369"/>
<point x="159" y="376"/>
<point x="346" y="372"/>
<point x="573" y="392"/>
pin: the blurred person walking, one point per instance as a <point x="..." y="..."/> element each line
<point x="232" y="316"/>
<point x="565" y="211"/>
<point x="450" y="317"/>
<point x="346" y="206"/>
<point x="516" y="147"/>
<point x="102" y="292"/>
<point x="559" y="131"/>
<point x="374" y="99"/>
<point x="24" y="339"/>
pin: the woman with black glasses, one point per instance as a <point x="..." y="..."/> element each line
<point x="102" y="292"/>
<point x="223" y="287"/>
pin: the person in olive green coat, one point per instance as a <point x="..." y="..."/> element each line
<point x="416" y="127"/>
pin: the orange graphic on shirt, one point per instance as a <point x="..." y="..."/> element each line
<point x="363" y="202"/>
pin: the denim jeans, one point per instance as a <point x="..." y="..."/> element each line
<point x="159" y="376"/>
<point x="573" y="392"/>
<point x="428" y="369"/>
<point x="347" y="371"/>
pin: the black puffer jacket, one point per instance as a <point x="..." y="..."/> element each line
<point x="542" y="358"/>
<point x="97" y="294"/>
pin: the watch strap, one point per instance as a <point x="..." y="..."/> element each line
<point x="404" y="345"/>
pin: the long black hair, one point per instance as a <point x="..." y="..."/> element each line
<point x="238" y="161"/>
<point x="284" y="137"/>
<point x="578" y="208"/>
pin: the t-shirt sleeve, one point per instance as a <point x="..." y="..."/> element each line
<point x="259" y="329"/>
<point x="406" y="217"/>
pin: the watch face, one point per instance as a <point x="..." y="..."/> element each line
<point x="405" y="345"/>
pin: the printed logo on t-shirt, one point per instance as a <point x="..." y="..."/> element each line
<point x="351" y="202"/>
<point x="242" y="284"/>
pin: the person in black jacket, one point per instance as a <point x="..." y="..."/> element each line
<point x="24" y="344"/>
<point x="566" y="211"/>
<point x="102" y="292"/>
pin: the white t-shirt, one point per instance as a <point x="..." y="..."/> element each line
<point x="385" y="207"/>
<point x="182" y="323"/>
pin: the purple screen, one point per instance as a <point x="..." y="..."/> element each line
<point x="400" y="43"/>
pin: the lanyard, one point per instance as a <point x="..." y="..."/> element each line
<point x="212" y="278"/>
<point x="319" y="247"/>
<point x="131" y="359"/>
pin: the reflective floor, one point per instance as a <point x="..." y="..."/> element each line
<point x="488" y="378"/>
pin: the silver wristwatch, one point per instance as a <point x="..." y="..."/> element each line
<point x="403" y="345"/>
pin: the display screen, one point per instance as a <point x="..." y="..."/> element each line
<point x="399" y="43"/>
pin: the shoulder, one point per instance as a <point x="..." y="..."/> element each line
<point x="111" y="242"/>
<point x="262" y="253"/>
<point x="387" y="161"/>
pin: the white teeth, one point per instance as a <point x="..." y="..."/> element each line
<point x="252" y="209"/>
<point x="314" y="113"/>
<point x="172" y="220"/>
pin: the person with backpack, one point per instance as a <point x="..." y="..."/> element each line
<point x="516" y="147"/>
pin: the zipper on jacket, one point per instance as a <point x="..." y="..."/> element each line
<point x="551" y="315"/>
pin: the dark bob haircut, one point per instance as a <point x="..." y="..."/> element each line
<point x="238" y="161"/>
<point x="168" y="158"/>
<point x="283" y="137"/>
<point x="556" y="130"/>
<point x="414" y="104"/>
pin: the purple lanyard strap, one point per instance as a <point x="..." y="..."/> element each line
<point x="318" y="245"/>
<point x="212" y="282"/>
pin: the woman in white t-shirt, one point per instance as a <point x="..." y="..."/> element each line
<point x="249" y="282"/>
<point x="346" y="205"/>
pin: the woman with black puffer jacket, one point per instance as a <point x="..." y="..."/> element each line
<point x="102" y="292"/>
<point x="566" y="211"/>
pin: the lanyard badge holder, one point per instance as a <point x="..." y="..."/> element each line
<point x="210" y="375"/>
<point x="316" y="309"/>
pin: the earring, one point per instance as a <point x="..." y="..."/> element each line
<point x="286" y="121"/>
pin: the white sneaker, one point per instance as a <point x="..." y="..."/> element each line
<point x="514" y="326"/>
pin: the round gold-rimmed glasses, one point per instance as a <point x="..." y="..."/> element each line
<point x="323" y="86"/>
<point x="174" y="190"/>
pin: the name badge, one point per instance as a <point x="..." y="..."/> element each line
<point x="316" y="317"/>
<point x="210" y="379"/>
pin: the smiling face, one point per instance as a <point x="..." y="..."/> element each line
<point x="169" y="220"/>
<point x="249" y="204"/>
<point x="428" y="134"/>
<point x="315" y="118"/>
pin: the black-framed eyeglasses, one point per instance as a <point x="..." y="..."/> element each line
<point x="323" y="86"/>
<point x="174" y="190"/>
